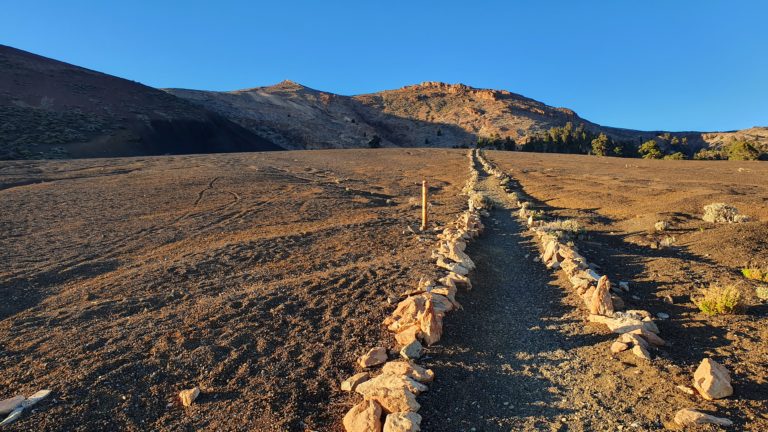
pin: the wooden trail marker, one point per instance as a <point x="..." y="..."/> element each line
<point x="424" y="205"/>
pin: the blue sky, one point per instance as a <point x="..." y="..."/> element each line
<point x="674" y="65"/>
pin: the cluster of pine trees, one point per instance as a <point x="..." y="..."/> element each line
<point x="579" y="140"/>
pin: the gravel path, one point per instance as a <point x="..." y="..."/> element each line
<point x="501" y="361"/>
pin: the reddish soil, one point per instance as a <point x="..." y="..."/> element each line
<point x="258" y="277"/>
<point x="618" y="201"/>
<point x="261" y="278"/>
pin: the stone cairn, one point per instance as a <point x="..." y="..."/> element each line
<point x="389" y="398"/>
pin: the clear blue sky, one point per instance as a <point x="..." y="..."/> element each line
<point x="651" y="64"/>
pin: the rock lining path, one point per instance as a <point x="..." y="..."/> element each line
<point x="503" y="361"/>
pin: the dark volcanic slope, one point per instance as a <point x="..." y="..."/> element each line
<point x="53" y="109"/>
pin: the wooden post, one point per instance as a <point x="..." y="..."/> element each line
<point x="423" y="205"/>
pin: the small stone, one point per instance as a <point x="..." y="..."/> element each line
<point x="712" y="380"/>
<point x="374" y="357"/>
<point x="35" y="398"/>
<point x="618" y="347"/>
<point x="650" y="337"/>
<point x="624" y="285"/>
<point x="662" y="315"/>
<point x="411" y="351"/>
<point x="636" y="298"/>
<point x="402" y="422"/>
<point x="618" y="303"/>
<point x="686" y="389"/>
<point x="640" y="351"/>
<point x="669" y="299"/>
<point x="633" y="339"/>
<point x="8" y="405"/>
<point x="409" y="369"/>
<point x="351" y="383"/>
<point x="189" y="396"/>
<point x="394" y="393"/>
<point x="688" y="417"/>
<point x="363" y="417"/>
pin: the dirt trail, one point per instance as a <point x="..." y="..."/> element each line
<point x="485" y="358"/>
<point x="518" y="356"/>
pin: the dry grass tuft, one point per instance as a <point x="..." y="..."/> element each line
<point x="720" y="300"/>
<point x="755" y="274"/>
<point x="562" y="228"/>
<point x="723" y="213"/>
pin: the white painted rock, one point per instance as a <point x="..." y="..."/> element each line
<point x="712" y="380"/>
<point x="688" y="417"/>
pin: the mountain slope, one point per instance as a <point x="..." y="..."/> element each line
<point x="298" y="117"/>
<point x="428" y="114"/>
<point x="53" y="109"/>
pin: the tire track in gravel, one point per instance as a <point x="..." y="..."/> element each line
<point x="496" y="357"/>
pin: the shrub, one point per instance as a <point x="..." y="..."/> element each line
<point x="755" y="274"/>
<point x="600" y="145"/>
<point x="650" y="150"/>
<point x="762" y="292"/>
<point x="742" y="150"/>
<point x="675" y="156"/>
<point x="719" y="300"/>
<point x="709" y="154"/>
<point x="561" y="228"/>
<point x="723" y="213"/>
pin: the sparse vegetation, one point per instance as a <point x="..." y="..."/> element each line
<point x="719" y="300"/>
<point x="650" y="150"/>
<point x="755" y="274"/>
<point x="742" y="150"/>
<point x="563" y="228"/>
<point x="723" y="213"/>
<point x="762" y="292"/>
<point x="496" y="142"/>
<point x="735" y="150"/>
<point x="675" y="156"/>
<point x="578" y="140"/>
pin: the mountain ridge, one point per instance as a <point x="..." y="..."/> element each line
<point x="52" y="109"/>
<point x="462" y="113"/>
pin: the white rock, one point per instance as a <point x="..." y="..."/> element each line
<point x="8" y="405"/>
<point x="687" y="417"/>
